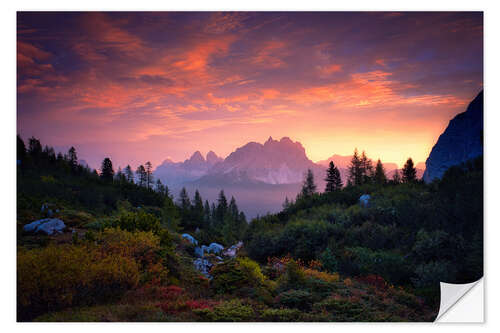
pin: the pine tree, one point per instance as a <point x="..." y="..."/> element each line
<point x="35" y="147"/>
<point x="333" y="180"/>
<point x="107" y="171"/>
<point x="141" y="175"/>
<point x="72" y="158"/>
<point x="396" y="178"/>
<point x="184" y="204"/>
<point x="129" y="175"/>
<point x="355" y="170"/>
<point x="409" y="172"/>
<point x="221" y="207"/>
<point x="119" y="176"/>
<point x="184" y="201"/>
<point x="160" y="188"/>
<point x="286" y="204"/>
<point x="207" y="217"/>
<point x="379" y="176"/>
<point x="308" y="187"/>
<point x="170" y="215"/>
<point x="149" y="174"/>
<point x="198" y="209"/>
<point x="366" y="168"/>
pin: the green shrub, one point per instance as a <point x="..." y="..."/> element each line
<point x="232" y="310"/>
<point x="298" y="299"/>
<point x="342" y="309"/>
<point x="139" y="221"/>
<point x="279" y="315"/>
<point x="237" y="275"/>
<point x="60" y="276"/>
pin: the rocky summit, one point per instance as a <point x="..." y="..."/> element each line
<point x="461" y="141"/>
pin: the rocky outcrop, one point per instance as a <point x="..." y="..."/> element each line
<point x="190" y="239"/>
<point x="461" y="141"/>
<point x="47" y="226"/>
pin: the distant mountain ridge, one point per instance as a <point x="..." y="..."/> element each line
<point x="461" y="141"/>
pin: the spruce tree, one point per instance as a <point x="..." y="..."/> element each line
<point x="198" y="211"/>
<point x="170" y="215"/>
<point x="107" y="171"/>
<point x="396" y="178"/>
<point x="221" y="207"/>
<point x="149" y="174"/>
<point x="160" y="188"/>
<point x="355" y="170"/>
<point x="141" y="175"/>
<point x="308" y="187"/>
<point x="72" y="158"/>
<point x="129" y="175"/>
<point x="366" y="168"/>
<point x="379" y="176"/>
<point x="409" y="172"/>
<point x="333" y="180"/>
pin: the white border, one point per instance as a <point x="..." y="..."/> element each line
<point x="8" y="131"/>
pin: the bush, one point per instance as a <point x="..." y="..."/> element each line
<point x="299" y="299"/>
<point x="342" y="309"/>
<point x="139" y="221"/>
<point x="237" y="275"/>
<point x="60" y="276"/>
<point x="232" y="310"/>
<point x="280" y="315"/>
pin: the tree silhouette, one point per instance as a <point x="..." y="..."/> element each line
<point x="333" y="180"/>
<point x="355" y="170"/>
<point x="396" y="178"/>
<point x="409" y="172"/>
<point x="379" y="176"/>
<point x="141" y="175"/>
<point x="72" y="158"/>
<point x="107" y="171"/>
<point x="149" y="174"/>
<point x="308" y="187"/>
<point x="129" y="175"/>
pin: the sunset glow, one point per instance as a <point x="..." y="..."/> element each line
<point x="150" y="86"/>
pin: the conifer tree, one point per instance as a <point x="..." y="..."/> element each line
<point x="170" y="215"/>
<point x="107" y="171"/>
<point x="379" y="176"/>
<point x="149" y="174"/>
<point x="366" y="168"/>
<point x="221" y="207"/>
<point x="72" y="158"/>
<point x="396" y="178"/>
<point x="160" y="188"/>
<point x="286" y="204"/>
<point x="355" y="170"/>
<point x="207" y="217"/>
<point x="129" y="175"/>
<point x="198" y="211"/>
<point x="141" y="175"/>
<point x="308" y="187"/>
<point x="409" y="172"/>
<point x="35" y="147"/>
<point x="333" y="180"/>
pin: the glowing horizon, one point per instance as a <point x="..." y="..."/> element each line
<point x="149" y="86"/>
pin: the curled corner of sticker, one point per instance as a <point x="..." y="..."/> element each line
<point x="461" y="303"/>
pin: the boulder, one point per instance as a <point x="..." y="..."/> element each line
<point x="199" y="251"/>
<point x="203" y="266"/>
<point x="232" y="250"/>
<point x="364" y="200"/>
<point x="190" y="238"/>
<point x="48" y="226"/>
<point x="215" y="248"/>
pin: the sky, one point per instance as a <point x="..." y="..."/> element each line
<point x="140" y="87"/>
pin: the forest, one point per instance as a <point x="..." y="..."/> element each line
<point x="374" y="249"/>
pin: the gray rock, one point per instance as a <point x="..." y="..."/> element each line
<point x="215" y="248"/>
<point x="48" y="226"/>
<point x="364" y="200"/>
<point x="190" y="238"/>
<point x="203" y="266"/>
<point x="199" y="251"/>
<point x="232" y="250"/>
<point x="461" y="141"/>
